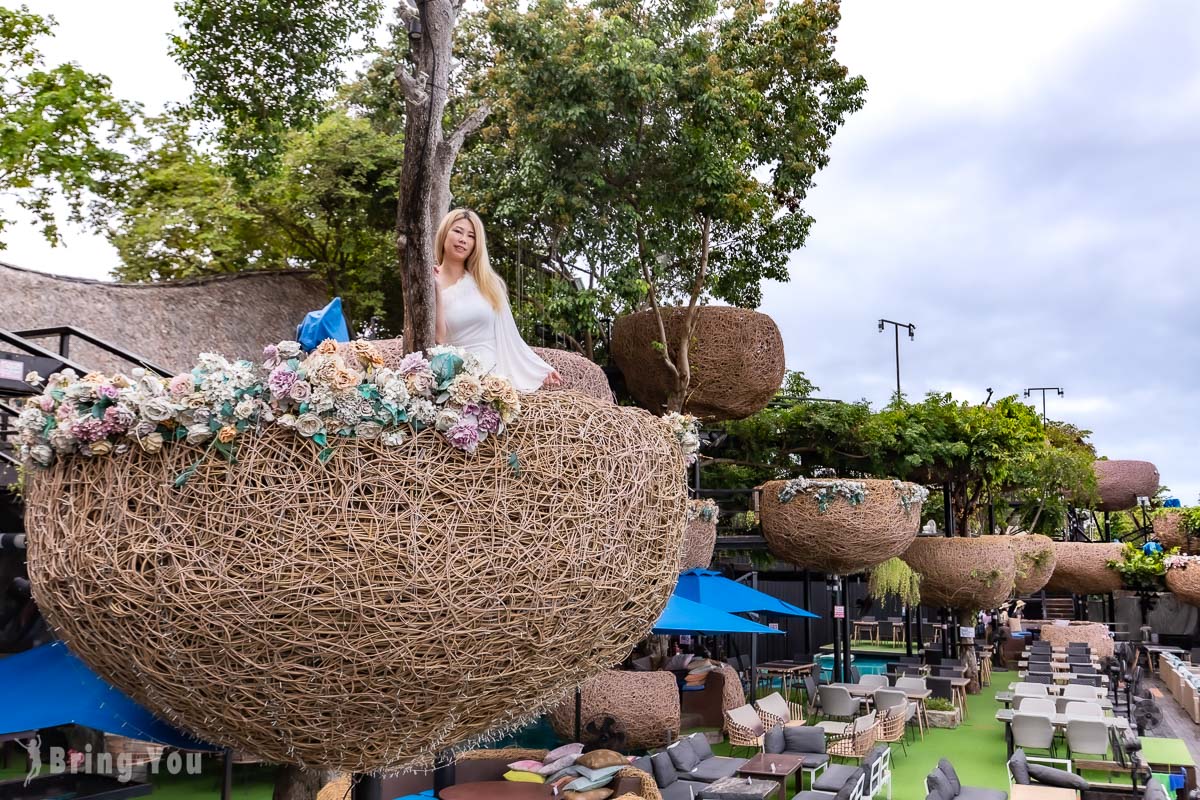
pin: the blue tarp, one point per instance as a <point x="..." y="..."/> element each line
<point x="682" y="616"/>
<point x="49" y="686"/>
<point x="716" y="591"/>
<point x="328" y="323"/>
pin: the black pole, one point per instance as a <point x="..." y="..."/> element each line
<point x="896" y="328"/>
<point x="808" y="648"/>
<point x="907" y="631"/>
<point x="920" y="632"/>
<point x="846" y="660"/>
<point x="443" y="772"/>
<point x="836" y="674"/>
<point x="578" y="715"/>
<point x="945" y="633"/>
<point x="369" y="787"/>
<point x="227" y="775"/>
<point x="948" y="508"/>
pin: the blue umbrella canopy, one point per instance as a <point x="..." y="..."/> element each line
<point x="682" y="616"/>
<point x="716" y="591"/>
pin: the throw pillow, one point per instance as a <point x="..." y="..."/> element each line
<point x="664" y="770"/>
<point x="696" y="680"/>
<point x="590" y="794"/>
<point x="1049" y="776"/>
<point x="559" y="785"/>
<point x="847" y="790"/>
<point x="701" y="746"/>
<point x="1019" y="768"/>
<point x="773" y="740"/>
<point x="527" y="765"/>
<point x="523" y="777"/>
<point x="569" y="770"/>
<point x="948" y="770"/>
<point x="644" y="764"/>
<point x="683" y="756"/>
<point x="939" y="785"/>
<point x="572" y="749"/>
<point x="598" y="759"/>
<point x="803" y="739"/>
<point x="552" y="767"/>
<point x="599" y="774"/>
<point x="582" y="784"/>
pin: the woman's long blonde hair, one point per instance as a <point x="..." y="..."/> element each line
<point x="491" y="285"/>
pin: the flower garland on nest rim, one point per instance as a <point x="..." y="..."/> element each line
<point x="827" y="490"/>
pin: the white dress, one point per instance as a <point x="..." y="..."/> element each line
<point x="490" y="335"/>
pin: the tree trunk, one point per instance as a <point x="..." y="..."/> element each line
<point x="294" y="783"/>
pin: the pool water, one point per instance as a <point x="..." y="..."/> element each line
<point x="867" y="665"/>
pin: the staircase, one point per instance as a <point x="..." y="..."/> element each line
<point x="1058" y="608"/>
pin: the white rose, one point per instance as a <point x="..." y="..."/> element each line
<point x="244" y="409"/>
<point x="287" y="420"/>
<point x="446" y="419"/>
<point x="368" y="430"/>
<point x="198" y="434"/>
<point x="393" y="438"/>
<point x="288" y="349"/>
<point x="309" y="424"/>
<point x="157" y="409"/>
<point x="42" y="454"/>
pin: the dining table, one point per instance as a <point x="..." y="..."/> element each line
<point x="1005" y="715"/>
<point x="913" y="695"/>
<point x="787" y="671"/>
<point x="1006" y="699"/>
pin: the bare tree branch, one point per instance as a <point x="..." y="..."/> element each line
<point x="412" y="86"/>
<point x="468" y="126"/>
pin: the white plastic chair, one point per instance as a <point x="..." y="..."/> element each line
<point x="1078" y="691"/>
<point x="874" y="681"/>
<point x="1034" y="705"/>
<point x="1031" y="689"/>
<point x="1088" y="736"/>
<point x="911" y="684"/>
<point x="1033" y="730"/>
<point x="1082" y="708"/>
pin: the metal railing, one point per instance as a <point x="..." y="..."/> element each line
<point x="66" y="332"/>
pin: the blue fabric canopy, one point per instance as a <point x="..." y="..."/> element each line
<point x="49" y="686"/>
<point x="327" y="323"/>
<point x="682" y="616"/>
<point x="716" y="591"/>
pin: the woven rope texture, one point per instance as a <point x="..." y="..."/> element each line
<point x="1121" y="483"/>
<point x="1095" y="634"/>
<point x="843" y="539"/>
<point x="970" y="574"/>
<point x="1185" y="583"/>
<point x="1035" y="561"/>
<point x="736" y="359"/>
<point x="699" y="539"/>
<point x="732" y="694"/>
<point x="1081" y="568"/>
<point x="1168" y="529"/>
<point x="645" y="706"/>
<point x="364" y="614"/>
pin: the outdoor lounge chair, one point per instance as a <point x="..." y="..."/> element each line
<point x="799" y="740"/>
<point x="662" y="771"/>
<point x="774" y="710"/>
<point x="694" y="760"/>
<point x="1023" y="771"/>
<point x="838" y="703"/>
<point x="943" y="784"/>
<point x="1033" y="730"/>
<point x="878" y="767"/>
<point x="854" y="788"/>
<point x="744" y="728"/>
<point x="858" y="738"/>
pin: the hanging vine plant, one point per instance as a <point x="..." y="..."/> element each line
<point x="894" y="578"/>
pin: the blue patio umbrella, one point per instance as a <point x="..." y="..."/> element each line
<point x="716" y="591"/>
<point x="682" y="616"/>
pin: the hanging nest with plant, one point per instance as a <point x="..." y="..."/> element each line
<point x="735" y="355"/>
<point x="1082" y="568"/>
<point x="370" y="611"/>
<point x="699" y="536"/>
<point x="1035" y="561"/>
<point x="644" y="706"/>
<point x="1121" y="483"/>
<point x="1183" y="579"/>
<point x="895" y="579"/>
<point x="969" y="574"/>
<point x="837" y="526"/>
<point x="1178" y="527"/>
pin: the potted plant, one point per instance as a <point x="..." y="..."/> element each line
<point x="941" y="713"/>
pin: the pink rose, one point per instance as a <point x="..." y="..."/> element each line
<point x="181" y="386"/>
<point x="464" y="436"/>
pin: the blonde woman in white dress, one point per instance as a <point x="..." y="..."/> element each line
<point x="472" y="306"/>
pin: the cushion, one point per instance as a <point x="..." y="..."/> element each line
<point x="552" y="767"/>
<point x="572" y="749"/>
<point x="696" y="679"/>
<point x="528" y="765"/>
<point x="948" y="770"/>
<point x="773" y="740"/>
<point x="597" y="774"/>
<point x="598" y="759"/>
<point x="683" y="756"/>
<point x="569" y="771"/>
<point x="560" y="784"/>
<point x="664" y="770"/>
<point x="1019" y="768"/>
<point x="847" y="790"/>
<point x="833" y="778"/>
<point x="714" y="769"/>
<point x="644" y="764"/>
<point x="803" y="739"/>
<point x="1154" y="791"/>
<point x="521" y="776"/>
<point x="582" y="784"/>
<point x="980" y="793"/>
<point x="590" y="794"/>
<point x="701" y="746"/>
<point x="1049" y="776"/>
<point x="939" y="785"/>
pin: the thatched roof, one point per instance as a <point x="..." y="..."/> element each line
<point x="166" y="323"/>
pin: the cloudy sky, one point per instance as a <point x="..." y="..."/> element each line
<point x="1022" y="185"/>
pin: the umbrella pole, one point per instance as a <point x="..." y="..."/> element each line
<point x="907" y="631"/>
<point x="754" y="650"/>
<point x="227" y="775"/>
<point x="835" y="675"/>
<point x="808" y="648"/>
<point x="578" y="715"/>
<point x="846" y="660"/>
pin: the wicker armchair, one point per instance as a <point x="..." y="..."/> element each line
<point x="858" y="739"/>
<point x="744" y="727"/>
<point x="774" y="710"/>
<point x="891" y="726"/>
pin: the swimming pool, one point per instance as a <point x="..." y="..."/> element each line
<point x="867" y="665"/>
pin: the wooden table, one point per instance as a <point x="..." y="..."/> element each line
<point x="784" y="765"/>
<point x="497" y="790"/>
<point x="788" y="671"/>
<point x="959" y="685"/>
<point x="1007" y="697"/>
<point x="872" y="630"/>
<point x="1062" y="665"/>
<point x="1038" y="792"/>
<point x="1067" y="676"/>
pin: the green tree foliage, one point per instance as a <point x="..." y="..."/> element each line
<point x="265" y="67"/>
<point x="329" y="206"/>
<point x="60" y="127"/>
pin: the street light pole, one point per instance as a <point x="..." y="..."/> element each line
<point x="1043" y="390"/>
<point x="912" y="330"/>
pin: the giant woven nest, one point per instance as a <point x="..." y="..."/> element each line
<point x="736" y="359"/>
<point x="1094" y="634"/>
<point x="1035" y="557"/>
<point x="843" y="539"/>
<point x="1081" y="568"/>
<point x="1121" y="483"/>
<point x="644" y="705"/>
<point x="1168" y="529"/>
<point x="364" y="614"/>
<point x="969" y="574"/>
<point x="699" y="539"/>
<point x="1185" y="583"/>
<point x="578" y="373"/>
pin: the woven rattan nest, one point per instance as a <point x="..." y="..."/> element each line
<point x="1185" y="583"/>
<point x="1121" y="483"/>
<point x="1081" y="568"/>
<point x="644" y="705"/>
<point x="366" y="613"/>
<point x="578" y="374"/>
<point x="1095" y="634"/>
<point x="843" y="539"/>
<point x="736" y="358"/>
<point x="969" y="574"/>
<point x="1168" y="529"/>
<point x="1035" y="556"/>
<point x="699" y="539"/>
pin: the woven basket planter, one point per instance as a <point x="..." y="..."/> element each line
<point x="644" y="705"/>
<point x="1168" y="529"/>
<point x="1185" y="583"/>
<point x="699" y="536"/>
<point x="1035" y="557"/>
<point x="969" y="574"/>
<point x="736" y="358"/>
<point x="1094" y="634"/>
<point x="363" y="614"/>
<point x="844" y="538"/>
<point x="1082" y="568"/>
<point x="732" y="694"/>
<point x="1121" y="483"/>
